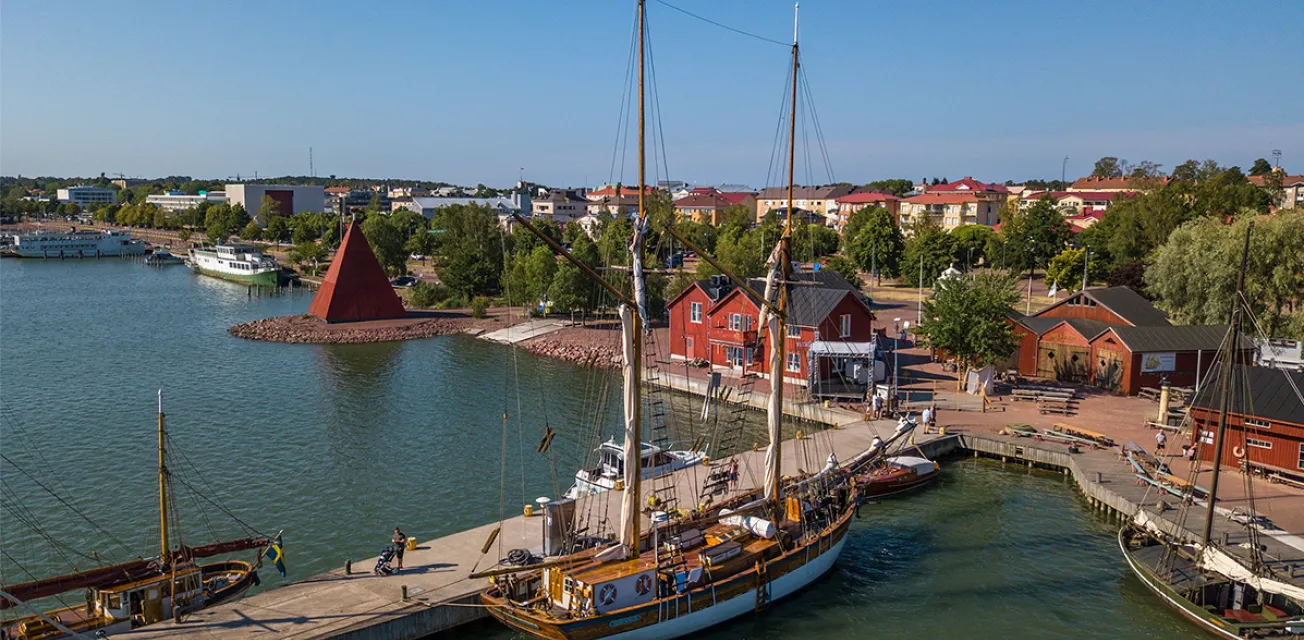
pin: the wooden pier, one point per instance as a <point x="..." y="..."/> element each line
<point x="434" y="593"/>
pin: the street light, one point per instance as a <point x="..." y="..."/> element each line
<point x="1063" y="166"/>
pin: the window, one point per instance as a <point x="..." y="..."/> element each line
<point x="1257" y="423"/>
<point x="1255" y="442"/>
<point x="736" y="321"/>
<point x="1301" y="455"/>
<point x="846" y="325"/>
<point x="794" y="363"/>
<point x="695" y="312"/>
<point x="794" y="331"/>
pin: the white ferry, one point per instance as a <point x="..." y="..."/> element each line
<point x="86" y="243"/>
<point x="237" y="262"/>
<point x="611" y="467"/>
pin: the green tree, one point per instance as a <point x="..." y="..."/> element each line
<point x="971" y="242"/>
<point x="928" y="252"/>
<point x="1065" y="270"/>
<point x="386" y="242"/>
<point x="277" y="230"/>
<point x="251" y="231"/>
<point x="1193" y="276"/>
<point x="469" y="252"/>
<point x="1108" y="167"/>
<point x="1260" y="167"/>
<point x="967" y="318"/>
<point x="873" y="240"/>
<point x="812" y="241"/>
<point x="269" y="208"/>
<point x="183" y="235"/>
<point x="895" y="186"/>
<point x="846" y="267"/>
<point x="308" y="252"/>
<point x="1032" y="235"/>
<point x="570" y="289"/>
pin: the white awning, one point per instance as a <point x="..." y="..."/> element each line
<point x="828" y="348"/>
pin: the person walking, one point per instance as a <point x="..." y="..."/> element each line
<point x="877" y="404"/>
<point x="400" y="544"/>
<point x="733" y="475"/>
<point x="1160" y="441"/>
<point x="925" y="418"/>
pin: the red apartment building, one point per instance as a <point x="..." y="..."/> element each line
<point x="717" y="322"/>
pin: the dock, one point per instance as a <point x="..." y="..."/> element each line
<point x="434" y="592"/>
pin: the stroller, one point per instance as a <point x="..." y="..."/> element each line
<point x="383" y="567"/>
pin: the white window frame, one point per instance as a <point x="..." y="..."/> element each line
<point x="794" y="363"/>
<point x="735" y="322"/>
<point x="793" y="331"/>
<point x="844" y="325"/>
<point x="1257" y="423"/>
<point x="1255" y="442"/>
<point x="1301" y="455"/>
<point x="695" y="312"/>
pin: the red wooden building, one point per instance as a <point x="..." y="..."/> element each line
<point x="1115" y="339"/>
<point x="1265" y="421"/>
<point x="717" y="322"/>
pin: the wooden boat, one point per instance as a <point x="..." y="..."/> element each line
<point x="140" y="592"/>
<point x="702" y="567"/>
<point x="897" y="474"/>
<point x="1197" y="578"/>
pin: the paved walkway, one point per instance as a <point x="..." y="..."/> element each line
<point x="524" y="331"/>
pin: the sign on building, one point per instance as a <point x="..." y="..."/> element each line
<point x="1158" y="362"/>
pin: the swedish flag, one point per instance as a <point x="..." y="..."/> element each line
<point x="276" y="555"/>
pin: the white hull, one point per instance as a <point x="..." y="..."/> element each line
<point x="587" y="485"/>
<point x="77" y="244"/>
<point x="739" y="605"/>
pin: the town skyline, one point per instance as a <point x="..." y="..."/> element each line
<point x="478" y="97"/>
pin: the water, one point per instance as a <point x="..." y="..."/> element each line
<point x="337" y="444"/>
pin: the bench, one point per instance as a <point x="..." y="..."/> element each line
<point x="1085" y="433"/>
<point x="1149" y="393"/>
<point x="1064" y="407"/>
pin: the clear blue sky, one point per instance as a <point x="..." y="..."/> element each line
<point x="470" y="92"/>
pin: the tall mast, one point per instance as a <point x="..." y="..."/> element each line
<point x="777" y="330"/>
<point x="1225" y="388"/>
<point x="162" y="485"/>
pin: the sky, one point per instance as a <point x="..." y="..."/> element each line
<point x="481" y="92"/>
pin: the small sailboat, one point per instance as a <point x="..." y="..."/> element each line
<point x="132" y="594"/>
<point x="1199" y="578"/>
<point x="882" y="471"/>
<point x="609" y="468"/>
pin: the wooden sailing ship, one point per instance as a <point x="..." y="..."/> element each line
<point x="1199" y="579"/>
<point x="696" y="568"/>
<point x="132" y="594"/>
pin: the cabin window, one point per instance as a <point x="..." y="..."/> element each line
<point x="113" y="601"/>
<point x="1257" y="423"/>
<point x="794" y="362"/>
<point x="845" y="322"/>
<point x="695" y="312"/>
<point x="1255" y="442"/>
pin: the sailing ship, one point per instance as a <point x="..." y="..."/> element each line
<point x="1199" y="579"/>
<point x="241" y="263"/>
<point x="610" y="467"/>
<point x="700" y="567"/>
<point x="132" y="594"/>
<point x="83" y="243"/>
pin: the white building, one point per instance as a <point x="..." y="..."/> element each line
<point x="428" y="206"/>
<point x="292" y="198"/>
<point x="175" y="201"/>
<point x="83" y="195"/>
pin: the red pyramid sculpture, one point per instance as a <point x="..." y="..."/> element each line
<point x="355" y="287"/>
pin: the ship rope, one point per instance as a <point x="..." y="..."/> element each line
<point x="63" y="604"/>
<point x="62" y="501"/>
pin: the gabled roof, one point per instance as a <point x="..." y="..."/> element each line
<point x="1286" y="181"/>
<point x="967" y="185"/>
<point x="1121" y="183"/>
<point x="867" y="197"/>
<point x="736" y="197"/>
<point x="704" y="200"/>
<point x="806" y="193"/>
<point x="1175" y="338"/>
<point x="941" y="198"/>
<point x="1262" y="392"/>
<point x="1124" y="302"/>
<point x="811" y="298"/>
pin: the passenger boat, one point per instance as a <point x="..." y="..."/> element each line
<point x="1198" y="577"/>
<point x="610" y="467"/>
<point x="897" y="474"/>
<point x="693" y="568"/>
<point x="241" y="263"/>
<point x="83" y="243"/>
<point x="132" y="594"/>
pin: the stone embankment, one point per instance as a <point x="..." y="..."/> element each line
<point x="309" y="330"/>
<point x="562" y="348"/>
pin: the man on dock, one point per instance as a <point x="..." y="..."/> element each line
<point x="1160" y="441"/>
<point x="400" y="543"/>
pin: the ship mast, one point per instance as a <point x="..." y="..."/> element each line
<point x="162" y="485"/>
<point x="1225" y="386"/>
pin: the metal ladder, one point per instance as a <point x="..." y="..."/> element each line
<point x="726" y="444"/>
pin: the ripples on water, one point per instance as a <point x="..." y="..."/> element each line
<point x="337" y="444"/>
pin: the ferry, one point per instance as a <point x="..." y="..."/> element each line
<point x="85" y="243"/>
<point x="237" y="262"/>
<point x="611" y="467"/>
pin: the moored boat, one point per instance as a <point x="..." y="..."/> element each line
<point x="163" y="257"/>
<point x="241" y="263"/>
<point x="897" y="474"/>
<point x="77" y="243"/>
<point x="610" y="467"/>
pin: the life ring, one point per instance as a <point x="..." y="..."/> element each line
<point x="644" y="585"/>
<point x="1238" y="451"/>
<point x="607" y="594"/>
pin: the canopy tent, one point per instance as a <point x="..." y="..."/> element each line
<point x="830" y="349"/>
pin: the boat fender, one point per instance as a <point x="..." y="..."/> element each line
<point x="1238" y="451"/>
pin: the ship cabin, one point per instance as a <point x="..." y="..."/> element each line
<point x="151" y="600"/>
<point x="611" y="458"/>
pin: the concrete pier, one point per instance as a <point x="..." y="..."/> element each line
<point x="440" y="596"/>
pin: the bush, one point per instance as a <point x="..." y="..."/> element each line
<point x="479" y="305"/>
<point x="429" y="295"/>
<point x="454" y="302"/>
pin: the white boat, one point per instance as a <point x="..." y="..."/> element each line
<point x="611" y="467"/>
<point x="238" y="262"/>
<point x="162" y="257"/>
<point x="85" y="243"/>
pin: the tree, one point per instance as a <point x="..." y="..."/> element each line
<point x="967" y="318"/>
<point x="308" y="252"/>
<point x="277" y="230"/>
<point x="1193" y="276"/>
<point x="1032" y="235"/>
<point x="569" y="290"/>
<point x="812" y="241"/>
<point x="971" y="242"/>
<point x="251" y="231"/>
<point x="846" y="267"/>
<point x="1065" y="270"/>
<point x="873" y="240"/>
<point x="1260" y="167"/>
<point x="928" y="252"/>
<point x="1107" y="167"/>
<point x="469" y="251"/>
<point x="269" y="208"/>
<point x="386" y="242"/>
<point x="183" y="235"/>
<point x="895" y="186"/>
<point x="1129" y="274"/>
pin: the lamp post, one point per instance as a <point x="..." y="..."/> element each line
<point x="1063" y="166"/>
<point x="1032" y="266"/>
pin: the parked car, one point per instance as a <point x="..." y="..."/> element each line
<point x="675" y="261"/>
<point x="404" y="281"/>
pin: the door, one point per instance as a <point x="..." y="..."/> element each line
<point x="1109" y="370"/>
<point x="1066" y="363"/>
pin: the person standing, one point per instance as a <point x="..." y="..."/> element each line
<point x="1160" y="441"/>
<point x="400" y="544"/>
<point x="877" y="404"/>
<point x="925" y="418"/>
<point x="733" y="475"/>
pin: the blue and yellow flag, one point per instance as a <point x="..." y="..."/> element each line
<point x="276" y="555"/>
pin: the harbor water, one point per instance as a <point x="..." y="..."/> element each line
<point x="338" y="444"/>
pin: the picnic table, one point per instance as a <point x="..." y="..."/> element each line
<point x="1056" y="405"/>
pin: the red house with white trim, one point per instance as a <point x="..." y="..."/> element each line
<point x="718" y="322"/>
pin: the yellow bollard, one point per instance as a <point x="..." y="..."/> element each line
<point x="529" y="510"/>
